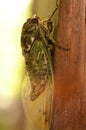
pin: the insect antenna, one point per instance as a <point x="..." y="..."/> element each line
<point x="49" y="19"/>
<point x="54" y="10"/>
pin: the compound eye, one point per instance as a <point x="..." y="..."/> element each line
<point x="34" y="20"/>
<point x="50" y="26"/>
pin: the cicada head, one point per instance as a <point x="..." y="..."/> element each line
<point x="30" y="32"/>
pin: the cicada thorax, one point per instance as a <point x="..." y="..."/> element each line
<point x="37" y="53"/>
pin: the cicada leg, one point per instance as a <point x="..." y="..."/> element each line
<point x="52" y="42"/>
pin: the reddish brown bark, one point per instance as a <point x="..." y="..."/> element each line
<point x="70" y="68"/>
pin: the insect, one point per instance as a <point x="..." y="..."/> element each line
<point x="37" y="48"/>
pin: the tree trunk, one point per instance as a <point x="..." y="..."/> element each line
<point x="70" y="68"/>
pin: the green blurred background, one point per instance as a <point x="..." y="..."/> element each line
<point x="13" y="13"/>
